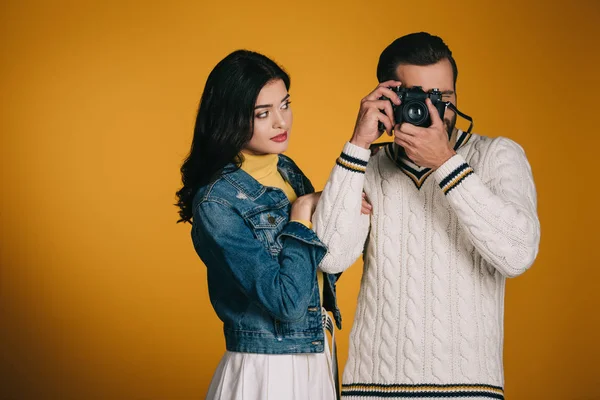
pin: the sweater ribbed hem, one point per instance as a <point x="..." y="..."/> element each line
<point x="418" y="397"/>
<point x="421" y="391"/>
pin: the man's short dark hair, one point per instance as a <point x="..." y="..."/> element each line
<point x="419" y="48"/>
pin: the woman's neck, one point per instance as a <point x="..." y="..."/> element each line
<point x="260" y="166"/>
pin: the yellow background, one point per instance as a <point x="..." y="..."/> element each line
<point x="102" y="295"/>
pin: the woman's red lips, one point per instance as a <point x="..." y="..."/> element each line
<point x="280" y="138"/>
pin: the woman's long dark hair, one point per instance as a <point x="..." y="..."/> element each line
<point x="225" y="120"/>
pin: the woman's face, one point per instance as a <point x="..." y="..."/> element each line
<point x="272" y="120"/>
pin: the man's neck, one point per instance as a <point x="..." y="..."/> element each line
<point x="453" y="137"/>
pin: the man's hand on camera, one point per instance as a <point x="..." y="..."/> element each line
<point x="426" y="147"/>
<point x="372" y="111"/>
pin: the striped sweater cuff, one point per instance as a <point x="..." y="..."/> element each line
<point x="452" y="173"/>
<point x="354" y="158"/>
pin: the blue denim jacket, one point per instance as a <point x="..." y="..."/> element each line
<point x="262" y="268"/>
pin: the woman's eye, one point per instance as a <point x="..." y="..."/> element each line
<point x="262" y="114"/>
<point x="286" y="105"/>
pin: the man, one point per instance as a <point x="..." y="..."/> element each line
<point x="453" y="215"/>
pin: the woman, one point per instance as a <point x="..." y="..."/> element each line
<point x="250" y="208"/>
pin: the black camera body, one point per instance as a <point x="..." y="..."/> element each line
<point x="413" y="108"/>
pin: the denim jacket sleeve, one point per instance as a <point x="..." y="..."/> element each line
<point x="283" y="286"/>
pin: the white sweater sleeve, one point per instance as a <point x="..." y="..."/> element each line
<point x="337" y="220"/>
<point x="499" y="216"/>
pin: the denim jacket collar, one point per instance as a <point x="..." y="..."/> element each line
<point x="242" y="181"/>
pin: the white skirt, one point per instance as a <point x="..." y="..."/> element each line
<point x="247" y="376"/>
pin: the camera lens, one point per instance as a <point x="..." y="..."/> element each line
<point x="416" y="113"/>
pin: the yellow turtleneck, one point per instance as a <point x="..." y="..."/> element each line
<point x="263" y="168"/>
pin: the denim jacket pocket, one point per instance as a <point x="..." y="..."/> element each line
<point x="266" y="226"/>
<point x="311" y="323"/>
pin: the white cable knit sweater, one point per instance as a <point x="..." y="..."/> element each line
<point x="437" y="249"/>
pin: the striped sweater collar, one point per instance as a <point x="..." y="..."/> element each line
<point x="417" y="174"/>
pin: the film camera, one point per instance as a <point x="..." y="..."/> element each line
<point x="413" y="108"/>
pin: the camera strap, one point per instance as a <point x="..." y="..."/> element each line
<point x="465" y="116"/>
